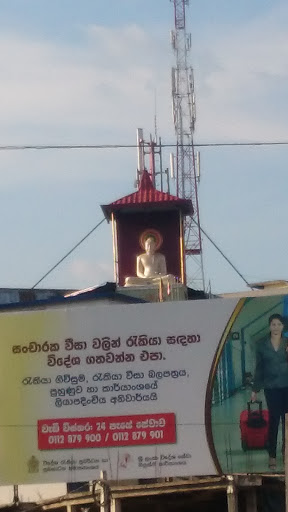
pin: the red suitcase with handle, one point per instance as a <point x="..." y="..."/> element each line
<point x="254" y="427"/>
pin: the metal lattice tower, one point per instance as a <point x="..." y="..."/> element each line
<point x="184" y="117"/>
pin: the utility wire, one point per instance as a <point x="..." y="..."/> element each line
<point x="227" y="144"/>
<point x="128" y="146"/>
<point x="101" y="222"/>
<point x="225" y="257"/>
<point x="68" y="253"/>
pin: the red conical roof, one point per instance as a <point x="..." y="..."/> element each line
<point x="148" y="197"/>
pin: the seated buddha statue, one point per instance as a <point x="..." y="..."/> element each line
<point x="150" y="267"/>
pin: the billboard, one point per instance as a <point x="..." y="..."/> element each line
<point x="140" y="391"/>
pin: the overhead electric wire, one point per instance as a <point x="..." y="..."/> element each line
<point x="68" y="253"/>
<point x="119" y="146"/>
<point x="227" y="144"/>
<point x="44" y="147"/>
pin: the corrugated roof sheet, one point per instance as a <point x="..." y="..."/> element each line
<point x="148" y="196"/>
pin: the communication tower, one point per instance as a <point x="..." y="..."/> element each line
<point x="187" y="168"/>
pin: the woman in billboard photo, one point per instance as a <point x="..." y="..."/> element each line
<point x="271" y="375"/>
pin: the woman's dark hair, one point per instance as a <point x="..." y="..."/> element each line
<point x="276" y="316"/>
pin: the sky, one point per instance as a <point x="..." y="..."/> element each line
<point x="87" y="73"/>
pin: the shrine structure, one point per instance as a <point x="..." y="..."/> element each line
<point x="149" y="214"/>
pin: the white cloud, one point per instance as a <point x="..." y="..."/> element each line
<point x="109" y="82"/>
<point x="241" y="88"/>
<point x="102" y="91"/>
<point x="105" y="88"/>
<point x="99" y="92"/>
<point x="84" y="272"/>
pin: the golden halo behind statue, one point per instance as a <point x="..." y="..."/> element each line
<point x="151" y="233"/>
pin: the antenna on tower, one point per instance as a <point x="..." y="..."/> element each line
<point x="172" y="158"/>
<point x="140" y="155"/>
<point x="198" y="169"/>
<point x="155" y="116"/>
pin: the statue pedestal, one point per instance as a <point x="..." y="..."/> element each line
<point x="150" y="293"/>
